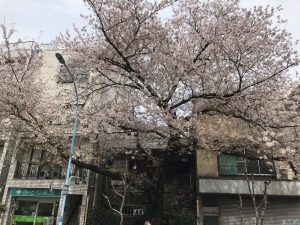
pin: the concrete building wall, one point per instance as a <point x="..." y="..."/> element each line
<point x="240" y="186"/>
<point x="12" y="146"/>
<point x="221" y="129"/>
<point x="207" y="163"/>
<point x="224" y="132"/>
<point x="48" y="184"/>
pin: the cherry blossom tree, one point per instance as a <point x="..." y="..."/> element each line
<point x="17" y="69"/>
<point x="161" y="77"/>
<point x="167" y="84"/>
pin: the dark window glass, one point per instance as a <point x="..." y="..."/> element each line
<point x="178" y="173"/>
<point x="45" y="209"/>
<point x="241" y="167"/>
<point x="252" y="167"/>
<point x="266" y="167"/>
<point x="26" y="208"/>
<point x="211" y="220"/>
<point x="210" y="201"/>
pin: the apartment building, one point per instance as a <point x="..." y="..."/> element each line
<point x="179" y="185"/>
<point x="223" y="190"/>
<point x="222" y="181"/>
<point x="178" y="198"/>
<point x="34" y="191"/>
<point x="31" y="184"/>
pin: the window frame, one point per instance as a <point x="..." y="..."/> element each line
<point x="243" y="160"/>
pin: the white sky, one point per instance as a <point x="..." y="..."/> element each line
<point x="290" y="12"/>
<point x="43" y="20"/>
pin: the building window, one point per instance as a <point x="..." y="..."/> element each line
<point x="179" y="173"/>
<point x="26" y="208"/>
<point x="210" y="209"/>
<point x="235" y="165"/>
<point x="37" y="212"/>
<point x="211" y="220"/>
<point x="36" y="157"/>
<point x="65" y="77"/>
<point x="36" y="166"/>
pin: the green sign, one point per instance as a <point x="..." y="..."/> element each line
<point x="34" y="192"/>
<point x="25" y="218"/>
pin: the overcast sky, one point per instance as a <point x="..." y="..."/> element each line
<point x="43" y="20"/>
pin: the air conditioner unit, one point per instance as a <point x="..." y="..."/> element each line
<point x="285" y="174"/>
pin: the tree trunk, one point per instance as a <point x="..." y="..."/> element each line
<point x="156" y="209"/>
<point x="121" y="219"/>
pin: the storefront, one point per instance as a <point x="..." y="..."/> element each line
<point x="34" y="206"/>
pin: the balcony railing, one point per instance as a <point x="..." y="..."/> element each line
<point x="134" y="210"/>
<point x="244" y="170"/>
<point x="234" y="165"/>
<point x="36" y="170"/>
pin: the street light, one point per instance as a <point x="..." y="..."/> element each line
<point x="60" y="58"/>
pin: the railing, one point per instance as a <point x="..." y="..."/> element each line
<point x="244" y="170"/>
<point x="134" y="210"/>
<point x="36" y="170"/>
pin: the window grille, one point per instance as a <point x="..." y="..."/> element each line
<point x="133" y="210"/>
<point x="234" y="165"/>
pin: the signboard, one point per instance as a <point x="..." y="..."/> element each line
<point x="34" y="192"/>
<point x="28" y="219"/>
